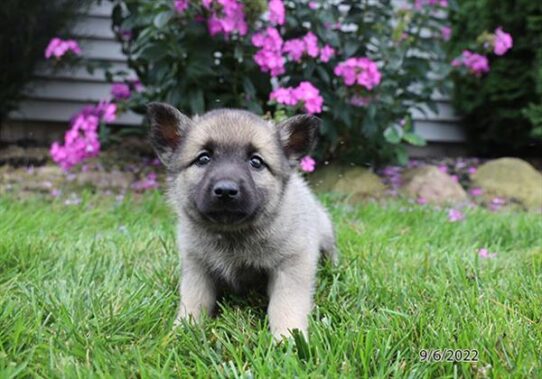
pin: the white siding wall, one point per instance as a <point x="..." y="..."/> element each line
<point x="56" y="96"/>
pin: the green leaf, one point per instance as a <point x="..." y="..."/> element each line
<point x="323" y="74"/>
<point x="162" y="19"/>
<point x="401" y="155"/>
<point x="369" y="126"/>
<point x="248" y="87"/>
<point x="393" y="134"/>
<point x="414" y="139"/>
<point x="197" y="101"/>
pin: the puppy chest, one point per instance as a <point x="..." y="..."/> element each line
<point x="241" y="280"/>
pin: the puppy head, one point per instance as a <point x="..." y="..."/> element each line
<point x="228" y="168"/>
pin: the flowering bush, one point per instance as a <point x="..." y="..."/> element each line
<point x="81" y="141"/>
<point x="501" y="44"/>
<point x="362" y="67"/>
<point x="58" y="48"/>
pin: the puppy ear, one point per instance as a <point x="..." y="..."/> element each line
<point x="298" y="135"/>
<point x="168" y="128"/>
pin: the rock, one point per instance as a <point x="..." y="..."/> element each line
<point x="433" y="185"/>
<point x="324" y="178"/>
<point x="355" y="183"/>
<point x="510" y="178"/>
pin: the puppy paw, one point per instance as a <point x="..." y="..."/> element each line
<point x="288" y="334"/>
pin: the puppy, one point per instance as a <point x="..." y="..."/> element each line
<point x="247" y="220"/>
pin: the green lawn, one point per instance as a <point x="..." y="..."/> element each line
<point x="90" y="290"/>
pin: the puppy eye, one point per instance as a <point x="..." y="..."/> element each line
<point x="203" y="159"/>
<point x="256" y="162"/>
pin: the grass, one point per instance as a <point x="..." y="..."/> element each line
<point x="90" y="290"/>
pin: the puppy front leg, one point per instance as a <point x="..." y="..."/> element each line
<point x="290" y="298"/>
<point x="198" y="294"/>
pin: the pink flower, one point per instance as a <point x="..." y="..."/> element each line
<point x="230" y="19"/>
<point x="107" y="111"/>
<point x="283" y="96"/>
<point x="180" y="5"/>
<point x="361" y="71"/>
<point x="421" y="200"/>
<point x="276" y="12"/>
<point x="313" y="5"/>
<point x="446" y="33"/>
<point x="81" y="141"/>
<point x="476" y="63"/>
<point x="120" y="91"/>
<point x="443" y="168"/>
<point x="326" y="53"/>
<point x="307" y="164"/>
<point x="455" y="215"/>
<point x="147" y="183"/>
<point x="295" y="48"/>
<point x="485" y="254"/>
<point x="58" y="47"/>
<point x="304" y="93"/>
<point x="476" y="192"/>
<point x="496" y="203"/>
<point x="310" y="95"/>
<point x="311" y="44"/>
<point x="502" y="42"/>
<point x="136" y="84"/>
<point x="308" y="44"/>
<point x="472" y="170"/>
<point x="126" y="34"/>
<point x="269" y="57"/>
<point x="360" y="101"/>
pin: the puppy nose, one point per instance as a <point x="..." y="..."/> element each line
<point x="226" y="190"/>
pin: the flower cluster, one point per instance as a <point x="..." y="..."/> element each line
<point x="446" y="33"/>
<point x="120" y="91"/>
<point x="123" y="91"/>
<point x="455" y="215"/>
<point x="277" y="13"/>
<point x="180" y="5"/>
<point x="307" y="164"/>
<point x="502" y="42"/>
<point x="269" y="57"/>
<point x="230" y="18"/>
<point x="361" y="71"/>
<point x="81" y="141"/>
<point x="58" y="47"/>
<point x="305" y="93"/>
<point x="149" y="182"/>
<point x="307" y="45"/>
<point x="485" y="254"/>
<point x="477" y="64"/>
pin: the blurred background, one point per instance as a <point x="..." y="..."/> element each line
<point x="398" y="84"/>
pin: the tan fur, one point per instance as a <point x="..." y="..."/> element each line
<point x="284" y="239"/>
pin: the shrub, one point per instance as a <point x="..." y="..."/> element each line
<point x="25" y="31"/>
<point x="360" y="66"/>
<point x="502" y="109"/>
<point x="363" y="67"/>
